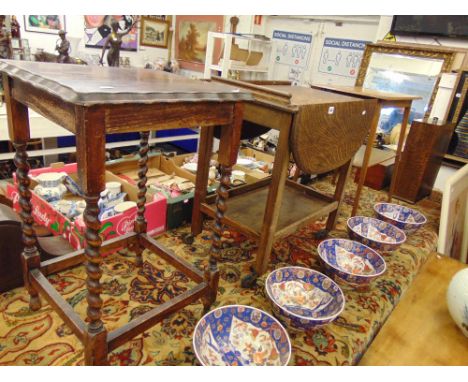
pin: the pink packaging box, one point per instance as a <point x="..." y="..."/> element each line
<point x="45" y="214"/>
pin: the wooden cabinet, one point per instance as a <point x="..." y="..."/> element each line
<point x="424" y="150"/>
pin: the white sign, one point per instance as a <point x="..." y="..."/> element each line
<point x="341" y="57"/>
<point x="292" y="48"/>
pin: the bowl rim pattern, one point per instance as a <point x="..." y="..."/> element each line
<point x="380" y="221"/>
<point x="240" y="306"/>
<point x="348" y="273"/>
<point x="401" y="221"/>
<point x="307" y="318"/>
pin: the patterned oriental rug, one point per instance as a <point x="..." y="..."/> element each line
<point x="42" y="338"/>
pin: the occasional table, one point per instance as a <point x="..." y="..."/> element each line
<point x="322" y="130"/>
<point x="384" y="99"/>
<point x="90" y="102"/>
<point x="420" y="330"/>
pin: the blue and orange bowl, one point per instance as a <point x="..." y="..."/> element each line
<point x="219" y="340"/>
<point x="374" y="264"/>
<point x="384" y="228"/>
<point x="300" y="317"/>
<point x="405" y="218"/>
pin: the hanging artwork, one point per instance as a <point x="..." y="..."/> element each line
<point x="154" y="32"/>
<point x="191" y="36"/>
<point x="98" y="27"/>
<point x="44" y="23"/>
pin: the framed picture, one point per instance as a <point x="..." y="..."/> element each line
<point x="191" y="36"/>
<point x="98" y="27"/>
<point x="459" y="104"/>
<point x="44" y="23"/>
<point x="154" y="32"/>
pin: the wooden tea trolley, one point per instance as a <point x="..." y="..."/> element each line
<point x="323" y="130"/>
<point x="90" y="102"/>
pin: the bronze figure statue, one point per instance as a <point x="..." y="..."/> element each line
<point x="115" y="41"/>
<point x="63" y="48"/>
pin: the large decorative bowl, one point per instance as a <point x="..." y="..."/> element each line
<point x="303" y="298"/>
<point x="350" y="262"/>
<point x="405" y="218"/>
<point x="239" y="335"/>
<point x="375" y="233"/>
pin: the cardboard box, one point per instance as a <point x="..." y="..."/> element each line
<point x="179" y="208"/>
<point x="45" y="214"/>
<point x="251" y="176"/>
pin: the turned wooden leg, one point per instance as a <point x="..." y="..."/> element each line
<point x="205" y="149"/>
<point x="212" y="273"/>
<point x="30" y="257"/>
<point x="140" y="222"/>
<point x="343" y="174"/>
<point x="365" y="161"/>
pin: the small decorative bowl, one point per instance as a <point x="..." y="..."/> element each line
<point x="303" y="298"/>
<point x="375" y="233"/>
<point x="405" y="218"/>
<point x="239" y="335"/>
<point x="351" y="262"/>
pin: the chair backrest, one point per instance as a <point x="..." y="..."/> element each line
<point x="326" y="136"/>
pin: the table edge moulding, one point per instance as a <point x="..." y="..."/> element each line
<point x="73" y="97"/>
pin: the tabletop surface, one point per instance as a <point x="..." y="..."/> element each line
<point x="370" y="93"/>
<point x="88" y="85"/>
<point x="301" y="95"/>
<point x="420" y="330"/>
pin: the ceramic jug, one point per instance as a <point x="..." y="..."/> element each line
<point x="50" y="185"/>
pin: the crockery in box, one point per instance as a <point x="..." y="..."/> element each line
<point x="350" y="262"/>
<point x="405" y="218"/>
<point x="375" y="233"/>
<point x="238" y="335"/>
<point x="303" y="298"/>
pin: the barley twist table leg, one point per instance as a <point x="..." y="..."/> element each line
<point x="212" y="272"/>
<point x="93" y="268"/>
<point x="30" y="257"/>
<point x="140" y="222"/>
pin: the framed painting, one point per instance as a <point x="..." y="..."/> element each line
<point x="191" y="36"/>
<point x="44" y="23"/>
<point x="98" y="27"/>
<point x="453" y="226"/>
<point x="154" y="32"/>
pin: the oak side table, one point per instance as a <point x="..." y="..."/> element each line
<point x="384" y="99"/>
<point x="90" y="102"/>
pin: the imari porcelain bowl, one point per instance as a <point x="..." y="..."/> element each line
<point x="303" y="298"/>
<point x="405" y="218"/>
<point x="350" y="262"/>
<point x="239" y="335"/>
<point x="375" y="233"/>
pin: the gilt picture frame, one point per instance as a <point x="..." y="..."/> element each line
<point x="154" y="32"/>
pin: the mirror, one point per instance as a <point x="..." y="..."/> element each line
<point x="407" y="69"/>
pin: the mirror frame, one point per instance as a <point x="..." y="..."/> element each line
<point x="446" y="54"/>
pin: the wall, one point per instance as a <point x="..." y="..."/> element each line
<point x="75" y="33"/>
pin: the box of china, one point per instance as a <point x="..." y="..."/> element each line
<point x="251" y="175"/>
<point x="179" y="205"/>
<point x="74" y="231"/>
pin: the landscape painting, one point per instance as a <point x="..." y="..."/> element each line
<point x="191" y="39"/>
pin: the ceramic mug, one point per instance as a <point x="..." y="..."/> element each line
<point x="114" y="188"/>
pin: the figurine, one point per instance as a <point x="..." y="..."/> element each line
<point x="115" y="41"/>
<point x="63" y="48"/>
<point x="15" y="27"/>
<point x="4" y="39"/>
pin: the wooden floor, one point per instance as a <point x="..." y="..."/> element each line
<point x="420" y="331"/>
<point x="248" y="209"/>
